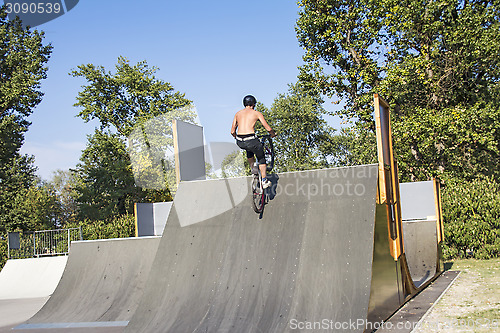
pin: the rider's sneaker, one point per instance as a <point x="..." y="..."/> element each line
<point x="255" y="170"/>
<point x="266" y="183"/>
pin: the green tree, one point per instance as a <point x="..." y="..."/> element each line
<point x="105" y="183"/>
<point x="233" y="165"/>
<point x="443" y="71"/>
<point x="353" y="145"/>
<point x="64" y="183"/>
<point x="23" y="59"/>
<point x="36" y="208"/>
<point x="303" y="134"/>
<point x="341" y="59"/>
<point x="435" y="62"/>
<point x="471" y="211"/>
<point x="458" y="142"/>
<point x="121" y="226"/>
<point x="18" y="189"/>
<point x="136" y="106"/>
<point x="127" y="98"/>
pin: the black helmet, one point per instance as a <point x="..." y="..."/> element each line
<point x="249" y="100"/>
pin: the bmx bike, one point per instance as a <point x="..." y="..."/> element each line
<point x="259" y="193"/>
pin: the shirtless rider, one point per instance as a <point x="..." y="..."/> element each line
<point x="244" y="121"/>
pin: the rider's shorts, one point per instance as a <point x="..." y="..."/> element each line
<point x="252" y="145"/>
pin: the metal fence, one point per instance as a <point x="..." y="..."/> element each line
<point x="41" y="243"/>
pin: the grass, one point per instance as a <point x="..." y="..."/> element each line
<point x="474" y="298"/>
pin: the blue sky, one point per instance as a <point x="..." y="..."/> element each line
<point x="215" y="52"/>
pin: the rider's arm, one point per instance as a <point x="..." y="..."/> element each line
<point x="234" y="127"/>
<point x="266" y="125"/>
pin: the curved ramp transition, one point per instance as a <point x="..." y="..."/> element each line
<point x="103" y="282"/>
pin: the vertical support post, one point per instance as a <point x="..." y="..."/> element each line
<point x="176" y="152"/>
<point x="388" y="176"/>
<point x="136" y="221"/>
<point x="8" y="245"/>
<point x="439" y="212"/>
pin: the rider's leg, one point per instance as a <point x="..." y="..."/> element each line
<point x="263" y="169"/>
<point x="254" y="149"/>
<point x="262" y="166"/>
<point x="259" y="153"/>
<point x="251" y="161"/>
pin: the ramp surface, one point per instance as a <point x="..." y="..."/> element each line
<point x="102" y="283"/>
<point x="16" y="311"/>
<point x="421" y="250"/>
<point x="307" y="262"/>
<point x="420" y="232"/>
<point x="31" y="278"/>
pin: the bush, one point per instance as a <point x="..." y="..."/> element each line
<point x="3" y="252"/>
<point x="119" y="227"/>
<point x="471" y="212"/>
<point x="122" y="226"/>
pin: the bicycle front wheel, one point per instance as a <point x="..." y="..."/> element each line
<point x="267" y="143"/>
<point x="257" y="195"/>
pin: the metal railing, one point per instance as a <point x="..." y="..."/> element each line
<point x="42" y="243"/>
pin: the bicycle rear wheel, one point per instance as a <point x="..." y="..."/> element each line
<point x="268" y="152"/>
<point x="258" y="195"/>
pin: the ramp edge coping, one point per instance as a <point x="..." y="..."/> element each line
<point x="72" y="325"/>
<point x="115" y="239"/>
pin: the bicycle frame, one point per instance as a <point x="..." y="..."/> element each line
<point x="258" y="191"/>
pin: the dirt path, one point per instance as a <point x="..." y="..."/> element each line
<point x="471" y="304"/>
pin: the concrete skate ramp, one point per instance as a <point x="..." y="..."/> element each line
<point x="307" y="261"/>
<point x="103" y="282"/>
<point x="31" y="278"/>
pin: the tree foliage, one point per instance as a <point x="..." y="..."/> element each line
<point x="340" y="59"/>
<point x="303" y="134"/>
<point x="471" y="212"/>
<point x="122" y="226"/>
<point x="233" y="165"/>
<point x="135" y="111"/>
<point x="64" y="184"/>
<point x="435" y="62"/>
<point x="353" y="145"/>
<point x="459" y="142"/>
<point x="23" y="59"/>
<point x="36" y="208"/>
<point x="126" y="98"/>
<point x="105" y="184"/>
